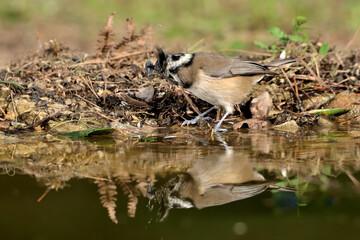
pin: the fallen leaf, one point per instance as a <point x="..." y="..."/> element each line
<point x="329" y="112"/>
<point x="145" y="93"/>
<point x="261" y="106"/>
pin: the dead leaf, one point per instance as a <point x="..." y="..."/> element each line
<point x="68" y="101"/>
<point x="145" y="93"/>
<point x="4" y="125"/>
<point x="261" y="106"/>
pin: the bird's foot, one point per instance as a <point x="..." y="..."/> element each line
<point x="195" y="120"/>
<point x="218" y="129"/>
<point x="223" y="130"/>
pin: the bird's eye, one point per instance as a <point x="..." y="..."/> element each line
<point x="176" y="57"/>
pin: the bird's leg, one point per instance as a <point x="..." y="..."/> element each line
<point x="216" y="128"/>
<point x="195" y="120"/>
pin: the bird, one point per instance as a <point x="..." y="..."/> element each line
<point x="220" y="80"/>
<point x="218" y="178"/>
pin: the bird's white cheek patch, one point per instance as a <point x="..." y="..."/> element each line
<point x="182" y="61"/>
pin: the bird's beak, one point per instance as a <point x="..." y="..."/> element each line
<point x="149" y="67"/>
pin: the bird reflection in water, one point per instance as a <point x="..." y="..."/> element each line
<point x="217" y="179"/>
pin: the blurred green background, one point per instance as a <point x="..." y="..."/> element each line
<point x="220" y="23"/>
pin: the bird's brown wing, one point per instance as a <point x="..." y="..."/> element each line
<point x="248" y="68"/>
<point x="219" y="66"/>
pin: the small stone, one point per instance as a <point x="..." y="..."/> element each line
<point x="289" y="126"/>
<point x="68" y="102"/>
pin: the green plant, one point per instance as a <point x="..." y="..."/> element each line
<point x="324" y="49"/>
<point x="298" y="35"/>
<point x="12" y="83"/>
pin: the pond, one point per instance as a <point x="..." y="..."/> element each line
<point x="182" y="184"/>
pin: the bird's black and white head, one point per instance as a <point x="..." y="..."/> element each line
<point x="167" y="65"/>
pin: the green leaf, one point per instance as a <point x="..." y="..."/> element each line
<point x="302" y="204"/>
<point x="89" y="132"/>
<point x="326" y="170"/>
<point x="299" y="20"/>
<point x="281" y="184"/>
<point x="277" y="32"/>
<point x="329" y="112"/>
<point x="297" y="38"/>
<point x="274" y="48"/>
<point x="13" y="83"/>
<point x="324" y="49"/>
<point x="294" y="181"/>
<point x="148" y="139"/>
<point x="261" y="45"/>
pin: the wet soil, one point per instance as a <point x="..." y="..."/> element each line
<point x="64" y="90"/>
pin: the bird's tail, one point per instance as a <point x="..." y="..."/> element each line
<point x="280" y="62"/>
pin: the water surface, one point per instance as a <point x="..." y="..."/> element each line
<point x="173" y="184"/>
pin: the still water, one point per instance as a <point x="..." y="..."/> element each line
<point x="171" y="184"/>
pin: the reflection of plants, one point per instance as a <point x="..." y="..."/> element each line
<point x="107" y="190"/>
<point x="131" y="187"/>
<point x="300" y="186"/>
<point x="132" y="194"/>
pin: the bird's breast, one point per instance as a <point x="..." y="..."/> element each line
<point x="225" y="92"/>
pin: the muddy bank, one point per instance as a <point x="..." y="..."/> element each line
<point x="60" y="90"/>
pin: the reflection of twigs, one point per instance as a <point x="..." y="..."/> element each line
<point x="7" y="172"/>
<point x="316" y="170"/>
<point x="352" y="178"/>
<point x="95" y="178"/>
<point x="13" y="152"/>
<point x="44" y="194"/>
